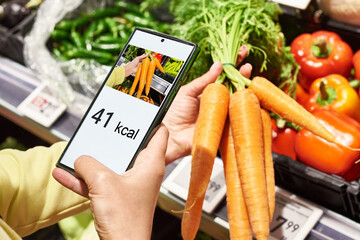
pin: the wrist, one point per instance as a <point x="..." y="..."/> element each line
<point x="126" y="229"/>
<point x="129" y="234"/>
<point x="127" y="70"/>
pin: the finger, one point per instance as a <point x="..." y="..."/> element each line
<point x="145" y="55"/>
<point x="142" y="56"/>
<point x="245" y="70"/>
<point x="197" y="86"/>
<point x="155" y="151"/>
<point x="70" y="181"/>
<point x="90" y="170"/>
<point x="243" y="51"/>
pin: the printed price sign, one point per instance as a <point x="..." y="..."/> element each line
<point x="42" y="107"/>
<point x="178" y="183"/>
<point x="293" y="218"/>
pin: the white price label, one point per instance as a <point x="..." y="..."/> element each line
<point x="178" y="183"/>
<point x="42" y="107"/>
<point x="293" y="218"/>
<point x="300" y="4"/>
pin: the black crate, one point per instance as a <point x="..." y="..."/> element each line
<point x="329" y="191"/>
<point x="12" y="40"/>
<point x="295" y="22"/>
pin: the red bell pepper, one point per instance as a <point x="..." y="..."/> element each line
<point x="356" y="64"/>
<point x="301" y="95"/>
<point x="334" y="92"/>
<point x="283" y="140"/>
<point x="353" y="174"/>
<point x="157" y="55"/>
<point x="320" y="54"/>
<point x="329" y="157"/>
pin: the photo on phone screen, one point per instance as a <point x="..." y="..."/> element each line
<point x="162" y="75"/>
<point x="128" y="108"/>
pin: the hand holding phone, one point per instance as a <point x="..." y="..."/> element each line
<point x="119" y="123"/>
<point x="115" y="199"/>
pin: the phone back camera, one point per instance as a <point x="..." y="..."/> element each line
<point x="162" y="40"/>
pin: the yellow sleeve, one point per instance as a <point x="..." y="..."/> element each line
<point x="30" y="198"/>
<point x="6" y="233"/>
<point x="117" y="76"/>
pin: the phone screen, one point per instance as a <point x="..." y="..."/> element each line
<point x="118" y="125"/>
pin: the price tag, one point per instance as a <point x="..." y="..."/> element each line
<point x="300" y="4"/>
<point x="42" y="107"/>
<point x="293" y="218"/>
<point x="178" y="183"/>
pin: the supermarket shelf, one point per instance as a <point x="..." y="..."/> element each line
<point x="17" y="82"/>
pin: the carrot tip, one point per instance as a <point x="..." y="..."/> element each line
<point x="179" y="211"/>
<point x="186" y="210"/>
<point x="348" y="147"/>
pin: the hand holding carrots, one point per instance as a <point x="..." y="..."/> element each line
<point x="132" y="67"/>
<point x="144" y="67"/>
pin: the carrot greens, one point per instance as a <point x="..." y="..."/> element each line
<point x="220" y="27"/>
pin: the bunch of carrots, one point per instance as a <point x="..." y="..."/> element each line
<point x="234" y="116"/>
<point x="144" y="75"/>
<point x="240" y="126"/>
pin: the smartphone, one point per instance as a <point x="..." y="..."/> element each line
<point x="118" y="124"/>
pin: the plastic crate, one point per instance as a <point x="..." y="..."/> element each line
<point x="12" y="40"/>
<point x="329" y="191"/>
<point x="294" y="22"/>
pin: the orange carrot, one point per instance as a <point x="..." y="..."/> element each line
<point x="149" y="77"/>
<point x="136" y="80"/>
<point x="246" y="127"/>
<point x="208" y="130"/>
<point x="144" y="71"/>
<point x="269" y="165"/>
<point x="274" y="99"/>
<point x="192" y="217"/>
<point x="238" y="218"/>
<point x="158" y="65"/>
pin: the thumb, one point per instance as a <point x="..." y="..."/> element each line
<point x="197" y="86"/>
<point x="91" y="170"/>
<point x="154" y="153"/>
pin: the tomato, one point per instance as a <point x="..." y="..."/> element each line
<point x="283" y="140"/>
<point x="330" y="157"/>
